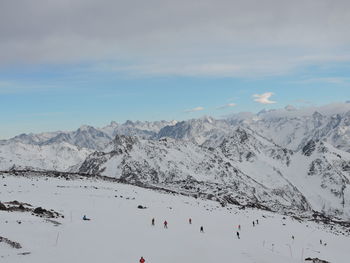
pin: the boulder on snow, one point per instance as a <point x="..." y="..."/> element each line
<point x="2" y="206"/>
<point x="39" y="211"/>
<point x="141" y="207"/>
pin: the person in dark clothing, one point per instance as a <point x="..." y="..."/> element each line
<point x="237" y="235"/>
<point x="85" y="218"/>
<point x="190" y="221"/>
<point x="257" y="221"/>
<point x="201" y="229"/>
<point x="153" y="221"/>
<point x="253" y="223"/>
<point x="165" y="224"/>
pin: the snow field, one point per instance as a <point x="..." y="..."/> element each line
<point x="120" y="232"/>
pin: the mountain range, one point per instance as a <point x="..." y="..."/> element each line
<point x="295" y="160"/>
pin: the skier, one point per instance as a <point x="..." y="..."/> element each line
<point x="152" y="221"/>
<point x="321" y="241"/>
<point x="165" y="224"/>
<point x="201" y="229"/>
<point x="237" y="235"/>
<point x="239" y="227"/>
<point x="253" y="223"/>
<point x="142" y="260"/>
<point x="293" y="237"/>
<point x="85" y="218"/>
<point x="190" y="221"/>
<point x="257" y="221"/>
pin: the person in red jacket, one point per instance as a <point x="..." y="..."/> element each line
<point x="165" y="224"/>
<point x="142" y="260"/>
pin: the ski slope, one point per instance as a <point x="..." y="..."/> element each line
<point x="120" y="232"/>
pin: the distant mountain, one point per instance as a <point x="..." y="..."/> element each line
<point x="284" y="159"/>
<point x="293" y="129"/>
<point x="91" y="137"/>
<point x="60" y="156"/>
<point x="198" y="131"/>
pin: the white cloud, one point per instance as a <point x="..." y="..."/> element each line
<point x="229" y="105"/>
<point x="264" y="98"/>
<point x="194" y="109"/>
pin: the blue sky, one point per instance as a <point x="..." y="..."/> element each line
<point x="60" y="99"/>
<point x="63" y="65"/>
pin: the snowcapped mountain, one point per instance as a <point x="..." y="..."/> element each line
<point x="90" y="137"/>
<point x="66" y="150"/>
<point x="294" y="128"/>
<point x="141" y="129"/>
<point x="215" y="172"/>
<point x="86" y="136"/>
<point x="287" y="159"/>
<point x="199" y="131"/>
<point x="59" y="156"/>
<point x="247" y="168"/>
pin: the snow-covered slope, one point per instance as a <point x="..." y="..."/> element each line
<point x="120" y="232"/>
<point x="59" y="156"/>
<point x="322" y="173"/>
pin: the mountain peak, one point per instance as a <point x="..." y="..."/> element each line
<point x="85" y="128"/>
<point x="290" y="108"/>
<point x="129" y="123"/>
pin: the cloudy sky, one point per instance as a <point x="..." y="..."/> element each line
<point x="65" y="63"/>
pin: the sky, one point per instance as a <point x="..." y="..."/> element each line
<point x="67" y="63"/>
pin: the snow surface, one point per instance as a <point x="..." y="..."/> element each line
<point x="120" y="232"/>
<point x="60" y="156"/>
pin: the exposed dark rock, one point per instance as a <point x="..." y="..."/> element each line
<point x="309" y="148"/>
<point x="39" y="211"/>
<point x="11" y="243"/>
<point x="3" y="207"/>
<point x="316" y="260"/>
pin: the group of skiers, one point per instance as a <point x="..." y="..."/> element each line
<point x="201" y="230"/>
<point x="165" y="224"/>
